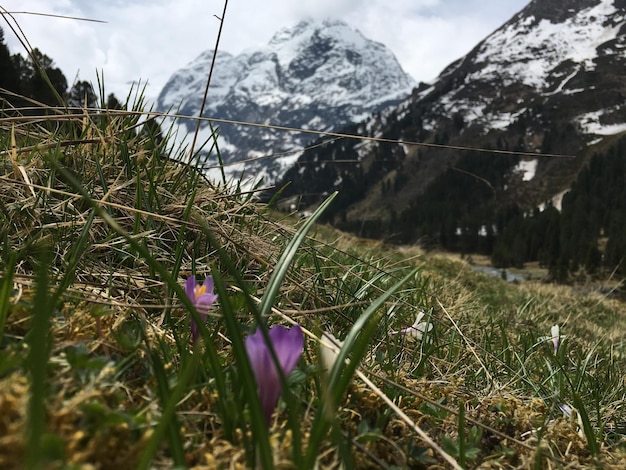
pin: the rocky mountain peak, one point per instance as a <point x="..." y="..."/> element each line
<point x="319" y="74"/>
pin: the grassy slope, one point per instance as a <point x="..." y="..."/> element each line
<point x="89" y="366"/>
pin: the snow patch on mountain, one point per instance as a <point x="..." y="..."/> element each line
<point x="193" y="77"/>
<point x="527" y="168"/>
<point x="503" y="120"/>
<point x="540" y="46"/>
<point x="591" y="123"/>
<point x="556" y="201"/>
<point x="533" y="58"/>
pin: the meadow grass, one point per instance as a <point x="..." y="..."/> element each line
<point x="103" y="223"/>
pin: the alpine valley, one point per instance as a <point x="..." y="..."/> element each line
<point x="548" y="86"/>
<point x="318" y="75"/>
<point x="516" y="150"/>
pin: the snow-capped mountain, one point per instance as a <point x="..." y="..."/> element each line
<point x="551" y="80"/>
<point x="549" y="49"/>
<point x="318" y="75"/>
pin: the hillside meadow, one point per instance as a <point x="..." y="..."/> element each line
<point x="440" y="366"/>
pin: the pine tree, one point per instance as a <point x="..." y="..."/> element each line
<point x="9" y="78"/>
<point x="82" y="94"/>
<point x="151" y="131"/>
<point x="549" y="251"/>
<point x="113" y="103"/>
<point x="46" y="91"/>
<point x="25" y="72"/>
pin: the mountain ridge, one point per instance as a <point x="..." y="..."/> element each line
<point x="319" y="75"/>
<point x="550" y="80"/>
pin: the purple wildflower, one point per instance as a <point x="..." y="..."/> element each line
<point x="288" y="345"/>
<point x="417" y="330"/>
<point x="555" y="337"/>
<point x="202" y="297"/>
<point x="566" y="409"/>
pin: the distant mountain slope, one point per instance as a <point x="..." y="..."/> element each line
<point x="551" y="80"/>
<point x="319" y="75"/>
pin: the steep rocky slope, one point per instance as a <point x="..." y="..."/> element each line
<point x="319" y="75"/>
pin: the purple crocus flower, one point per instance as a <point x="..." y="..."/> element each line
<point x="566" y="409"/>
<point x="202" y="297"/>
<point x="554" y="331"/>
<point x="288" y="345"/>
<point x="417" y="330"/>
<point x="555" y="337"/>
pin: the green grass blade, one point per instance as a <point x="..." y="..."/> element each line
<point x="257" y="420"/>
<point x="355" y="347"/>
<point x="267" y="301"/>
<point x="219" y="154"/>
<point x="357" y="341"/>
<point x="172" y="426"/>
<point x="581" y="371"/>
<point x="592" y="443"/>
<point x="38" y="340"/>
<point x="179" y="250"/>
<point x="5" y="291"/>
<point x="75" y="256"/>
<point x="168" y="419"/>
<point x="276" y="196"/>
<point x="234" y="331"/>
<point x="281" y="268"/>
<point x="461" y="432"/>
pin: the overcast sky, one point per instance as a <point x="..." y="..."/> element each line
<point x="150" y="39"/>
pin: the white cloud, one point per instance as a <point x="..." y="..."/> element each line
<point x="149" y="40"/>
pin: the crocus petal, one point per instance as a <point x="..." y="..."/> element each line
<point x="207" y="298"/>
<point x="195" y="331"/>
<point x="208" y="284"/>
<point x="555" y="331"/>
<point x="205" y="301"/>
<point x="329" y="355"/>
<point x="420" y="315"/>
<point x="288" y="346"/>
<point x="555" y="337"/>
<point x="566" y="409"/>
<point x="190" y="288"/>
<point x="267" y="379"/>
<point x="202" y="302"/>
<point x="417" y="330"/>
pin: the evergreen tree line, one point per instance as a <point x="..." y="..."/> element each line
<point x="462" y="210"/>
<point x="456" y="211"/>
<point x="23" y="80"/>
<point x="24" y="88"/>
<point x="459" y="213"/>
<point x="589" y="232"/>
